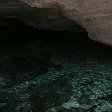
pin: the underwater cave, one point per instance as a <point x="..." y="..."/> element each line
<point x="52" y="71"/>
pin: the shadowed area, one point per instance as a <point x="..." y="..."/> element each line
<point x="49" y="71"/>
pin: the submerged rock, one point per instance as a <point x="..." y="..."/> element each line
<point x="52" y="95"/>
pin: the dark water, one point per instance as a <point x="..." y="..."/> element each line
<point x="44" y="71"/>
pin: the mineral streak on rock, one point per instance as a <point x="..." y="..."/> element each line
<point x="94" y="15"/>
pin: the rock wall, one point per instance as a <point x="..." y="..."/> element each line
<point x="50" y="19"/>
<point x="94" y="15"/>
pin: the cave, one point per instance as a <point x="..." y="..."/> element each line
<point x="44" y="70"/>
<point x="50" y="62"/>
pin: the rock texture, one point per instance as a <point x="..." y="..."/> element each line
<point x="63" y="15"/>
<point x="94" y="15"/>
<point x="56" y="74"/>
<point x="50" y="19"/>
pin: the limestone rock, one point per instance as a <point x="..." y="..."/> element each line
<point x="93" y="15"/>
<point x="42" y="18"/>
<point x="63" y="15"/>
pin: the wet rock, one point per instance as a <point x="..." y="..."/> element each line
<point x="74" y="110"/>
<point x="107" y="97"/>
<point x="7" y="102"/>
<point x="4" y="82"/>
<point x="6" y="107"/>
<point x="23" y="67"/>
<point x="52" y="95"/>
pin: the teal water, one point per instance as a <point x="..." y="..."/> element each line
<point x="43" y="71"/>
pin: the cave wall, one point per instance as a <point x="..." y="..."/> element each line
<point x="94" y="15"/>
<point x="45" y="19"/>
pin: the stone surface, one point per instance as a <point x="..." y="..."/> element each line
<point x="54" y="94"/>
<point x="50" y="19"/>
<point x="93" y="15"/>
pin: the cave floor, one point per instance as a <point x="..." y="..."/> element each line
<point x="60" y="72"/>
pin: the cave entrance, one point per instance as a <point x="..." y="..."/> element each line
<point x="36" y="63"/>
<point x="25" y="50"/>
<point x="15" y="33"/>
